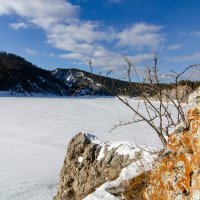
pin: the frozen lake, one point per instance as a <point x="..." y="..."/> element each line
<point x="34" y="133"/>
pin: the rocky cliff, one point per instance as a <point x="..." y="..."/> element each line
<point x="90" y="164"/>
<point x="177" y="174"/>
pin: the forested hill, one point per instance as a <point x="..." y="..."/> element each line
<point x="20" y="77"/>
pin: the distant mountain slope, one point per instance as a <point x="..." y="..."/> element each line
<point x="82" y="82"/>
<point x="18" y="76"/>
<point x="79" y="82"/>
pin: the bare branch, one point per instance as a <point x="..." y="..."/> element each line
<point x="158" y="116"/>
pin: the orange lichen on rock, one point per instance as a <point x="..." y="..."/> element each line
<point x="177" y="174"/>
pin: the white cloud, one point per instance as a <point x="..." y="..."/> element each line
<point x="81" y="39"/>
<point x="42" y="13"/>
<point x="195" y="33"/>
<point x="71" y="56"/>
<point x="141" y="35"/>
<point x="187" y="58"/>
<point x="80" y="32"/>
<point x="51" y="54"/>
<point x="30" y="51"/>
<point x="175" y="46"/>
<point x="115" y="1"/>
<point x="19" y="25"/>
<point x="116" y="61"/>
<point x="190" y="33"/>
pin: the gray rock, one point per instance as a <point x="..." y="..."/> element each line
<point x="82" y="172"/>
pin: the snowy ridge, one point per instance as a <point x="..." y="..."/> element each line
<point x="93" y="138"/>
<point x="78" y="82"/>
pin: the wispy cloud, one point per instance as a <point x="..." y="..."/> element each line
<point x="19" y="25"/>
<point x="81" y="39"/>
<point x="174" y="47"/>
<point x="30" y="51"/>
<point x="191" y="33"/>
<point x="187" y="58"/>
<point x="42" y="13"/>
<point x="51" y="54"/>
<point x="115" y="1"/>
<point x="141" y="35"/>
<point x="195" y="33"/>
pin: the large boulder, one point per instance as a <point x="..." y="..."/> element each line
<point x="89" y="163"/>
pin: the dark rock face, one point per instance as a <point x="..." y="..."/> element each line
<point x="82" y="172"/>
<point x="80" y="82"/>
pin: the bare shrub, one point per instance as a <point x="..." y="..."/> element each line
<point x="158" y="116"/>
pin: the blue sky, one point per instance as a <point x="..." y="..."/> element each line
<point x="60" y="33"/>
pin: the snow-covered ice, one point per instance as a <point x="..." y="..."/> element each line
<point x="34" y="133"/>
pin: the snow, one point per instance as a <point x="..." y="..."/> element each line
<point x="124" y="148"/>
<point x="144" y="158"/>
<point x="101" y="194"/>
<point x="101" y="153"/>
<point x="34" y="133"/>
<point x="80" y="159"/>
<point x="93" y="138"/>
